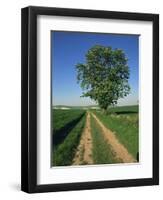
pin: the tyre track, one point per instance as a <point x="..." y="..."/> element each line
<point x="83" y="154"/>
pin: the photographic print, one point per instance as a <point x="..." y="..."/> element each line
<point x="95" y="98"/>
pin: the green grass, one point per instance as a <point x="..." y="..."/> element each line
<point x="63" y="121"/>
<point x="124" y="109"/>
<point x="125" y="128"/>
<point x="102" y="152"/>
<point x="64" y="153"/>
<point x="62" y="117"/>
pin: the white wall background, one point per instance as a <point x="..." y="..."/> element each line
<point x="10" y="79"/>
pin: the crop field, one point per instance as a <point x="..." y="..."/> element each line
<point x="124" y="109"/>
<point x="67" y="126"/>
<point x="93" y="137"/>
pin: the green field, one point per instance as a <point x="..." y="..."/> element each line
<point x="124" y="109"/>
<point x="63" y="121"/>
<point x="67" y="127"/>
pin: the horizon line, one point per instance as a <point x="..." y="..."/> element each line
<point x="94" y="105"/>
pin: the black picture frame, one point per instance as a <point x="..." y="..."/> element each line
<point x="29" y="99"/>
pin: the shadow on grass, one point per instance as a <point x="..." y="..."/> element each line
<point x="125" y="112"/>
<point x="61" y="134"/>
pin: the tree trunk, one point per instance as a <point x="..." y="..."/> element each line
<point x="104" y="110"/>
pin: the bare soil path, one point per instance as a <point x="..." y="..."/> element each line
<point x="84" y="150"/>
<point x="120" y="151"/>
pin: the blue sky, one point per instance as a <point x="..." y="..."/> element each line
<point x="69" y="48"/>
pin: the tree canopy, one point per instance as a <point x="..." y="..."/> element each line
<point x="104" y="76"/>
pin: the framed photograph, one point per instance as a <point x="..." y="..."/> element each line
<point x="90" y="99"/>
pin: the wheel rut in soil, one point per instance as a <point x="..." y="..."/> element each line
<point x="83" y="154"/>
